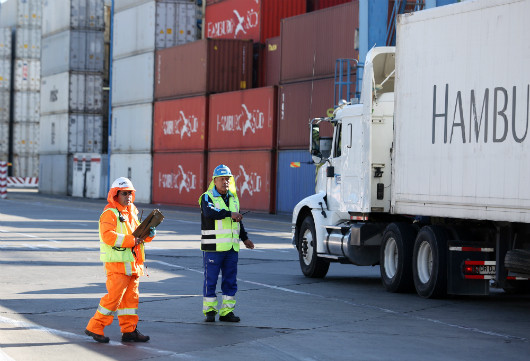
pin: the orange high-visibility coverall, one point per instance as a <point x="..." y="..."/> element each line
<point x="122" y="277"/>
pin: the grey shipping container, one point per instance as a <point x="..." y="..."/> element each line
<point x="25" y="138"/>
<point x="59" y="15"/>
<point x="27" y="105"/>
<point x="55" y="175"/>
<point x="27" y="75"/>
<point x="25" y="165"/>
<point x="5" y="74"/>
<point x="78" y="50"/>
<point x="28" y="43"/>
<point x="21" y="13"/>
<point x="4" y="138"/>
<point x="72" y="92"/>
<point x="5" y="97"/>
<point x="5" y="42"/>
<point x="85" y="133"/>
<point x="312" y="42"/>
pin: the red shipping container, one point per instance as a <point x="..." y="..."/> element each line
<point x="202" y="67"/>
<point x="178" y="178"/>
<point x="257" y="20"/>
<point x="243" y="120"/>
<point x="322" y="4"/>
<point x="180" y="124"/>
<point x="311" y="43"/>
<point x="273" y="53"/>
<point x="255" y="176"/>
<point x="298" y="103"/>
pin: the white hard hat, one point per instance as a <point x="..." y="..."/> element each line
<point x="123" y="184"/>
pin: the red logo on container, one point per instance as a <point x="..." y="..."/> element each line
<point x="183" y="125"/>
<point x="247" y="120"/>
<point x="238" y="24"/>
<point x="181" y="180"/>
<point x="247" y="182"/>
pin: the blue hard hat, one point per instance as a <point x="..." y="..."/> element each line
<point x="222" y="171"/>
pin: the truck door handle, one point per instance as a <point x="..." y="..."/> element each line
<point x="351" y="134"/>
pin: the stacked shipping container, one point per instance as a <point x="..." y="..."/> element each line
<point x="26" y="96"/>
<point x="188" y="74"/>
<point x="140" y="28"/>
<point x="73" y="111"/>
<point x="5" y="91"/>
<point x="309" y="49"/>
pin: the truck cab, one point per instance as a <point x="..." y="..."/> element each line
<point x="353" y="175"/>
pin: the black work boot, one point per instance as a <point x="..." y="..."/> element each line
<point x="210" y="316"/>
<point x="230" y="317"/>
<point x="134" y="336"/>
<point x="96" y="337"/>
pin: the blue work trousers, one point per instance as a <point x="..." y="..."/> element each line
<point x="226" y="262"/>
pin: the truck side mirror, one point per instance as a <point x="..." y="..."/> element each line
<point x="320" y="148"/>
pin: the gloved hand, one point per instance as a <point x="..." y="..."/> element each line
<point x="152" y="232"/>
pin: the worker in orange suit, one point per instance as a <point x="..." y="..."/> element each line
<point x="123" y="255"/>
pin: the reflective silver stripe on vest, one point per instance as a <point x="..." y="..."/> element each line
<point x="219" y="223"/>
<point x="219" y="231"/>
<point x="105" y="311"/>
<point x="119" y="240"/>
<point x="219" y="240"/>
<point x="127" y="312"/>
<point x="128" y="268"/>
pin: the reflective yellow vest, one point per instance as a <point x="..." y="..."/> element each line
<point x="223" y="233"/>
<point x="117" y="253"/>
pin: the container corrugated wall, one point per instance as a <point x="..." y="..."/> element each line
<point x="181" y="125"/>
<point x="243" y="120"/>
<point x="273" y="60"/>
<point x="255" y="20"/>
<point x="202" y="67"/>
<point x="254" y="174"/>
<point x="298" y="103"/>
<point x="312" y="42"/>
<point x="295" y="178"/>
<point x="179" y="178"/>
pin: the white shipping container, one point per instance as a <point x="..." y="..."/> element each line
<point x="54" y="134"/>
<point x="25" y="138"/>
<point x="133" y="79"/>
<point x="5" y="105"/>
<point x="77" y="50"/>
<point x="4" y="137"/>
<point x="8" y="13"/>
<point x="134" y="30"/>
<point x="132" y="128"/>
<point x="55" y="176"/>
<point x="5" y="42"/>
<point x="136" y="167"/>
<point x="85" y="133"/>
<point x="27" y="75"/>
<point x="26" y="165"/>
<point x="176" y="24"/>
<point x="461" y="120"/>
<point x="72" y="92"/>
<point x="59" y="15"/>
<point x="121" y="5"/>
<point x="90" y="175"/>
<point x="27" y="43"/>
<point x="5" y="74"/>
<point x="27" y="107"/>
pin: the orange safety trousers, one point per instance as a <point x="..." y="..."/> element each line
<point x="122" y="298"/>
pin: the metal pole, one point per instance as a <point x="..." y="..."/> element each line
<point x="109" y="143"/>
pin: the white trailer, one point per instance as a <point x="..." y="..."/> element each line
<point x="427" y="173"/>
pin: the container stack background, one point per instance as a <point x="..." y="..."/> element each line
<point x="5" y="90"/>
<point x="73" y="111"/>
<point x="193" y="84"/>
<point x="26" y="89"/>
<point x="140" y="29"/>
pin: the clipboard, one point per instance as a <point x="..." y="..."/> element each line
<point x="152" y="220"/>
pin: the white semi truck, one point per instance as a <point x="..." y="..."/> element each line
<point x="428" y="173"/>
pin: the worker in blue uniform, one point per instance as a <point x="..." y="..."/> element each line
<point x="221" y="230"/>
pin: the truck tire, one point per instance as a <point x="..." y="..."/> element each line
<point x="312" y="266"/>
<point x="429" y="262"/>
<point x="518" y="261"/>
<point x="396" y="257"/>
